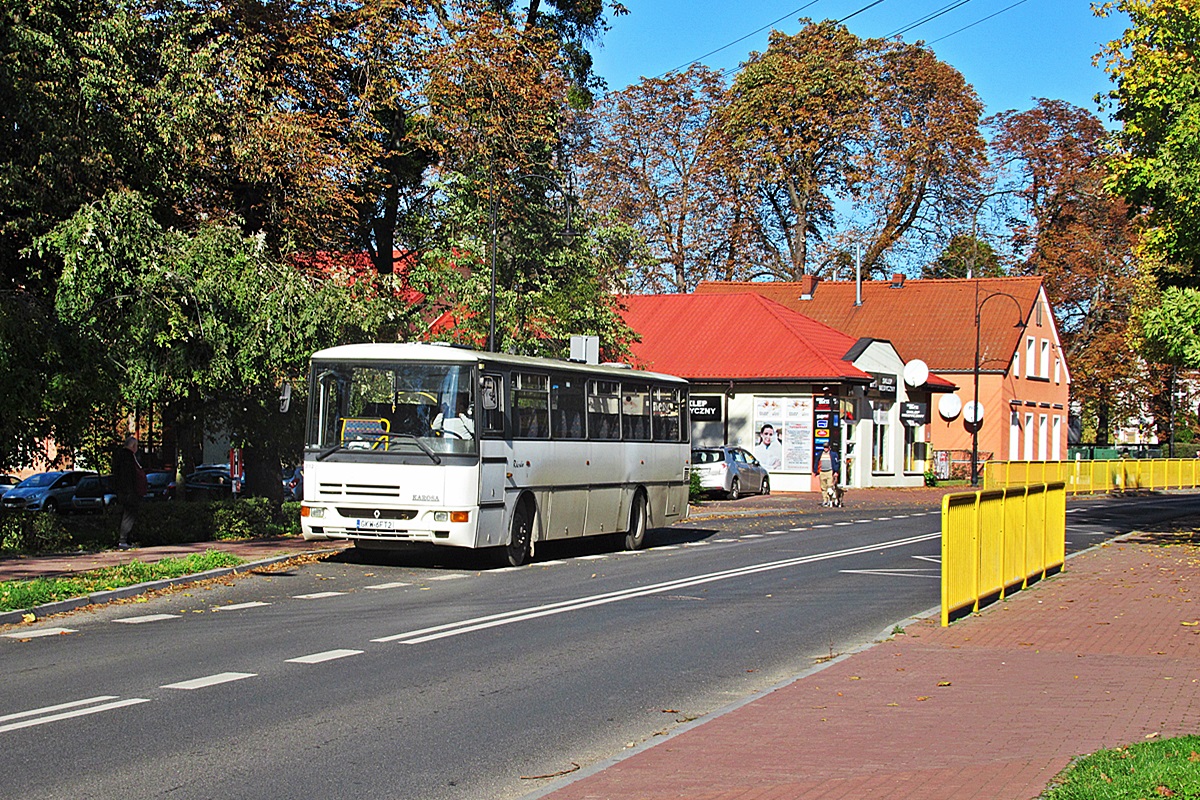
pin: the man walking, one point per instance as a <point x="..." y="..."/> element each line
<point x="130" y="480"/>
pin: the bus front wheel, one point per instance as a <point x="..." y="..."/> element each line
<point x="520" y="542"/>
<point x="635" y="538"/>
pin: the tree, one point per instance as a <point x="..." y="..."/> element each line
<point x="964" y="257"/>
<point x="798" y="112"/>
<point x="208" y="324"/>
<point x="924" y="154"/>
<point x="657" y="159"/>
<point x="1079" y="239"/>
<point x="1157" y="166"/>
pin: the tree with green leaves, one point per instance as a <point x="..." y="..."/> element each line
<point x="1157" y="166"/>
<point x="207" y="324"/>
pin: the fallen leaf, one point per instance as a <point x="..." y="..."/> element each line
<point x="1105" y="778"/>
<point x="893" y="705"/>
<point x="670" y="711"/>
<point x="1194" y="756"/>
<point x="1152" y="735"/>
<point x="943" y="683"/>
<point x="922" y="698"/>
<point x="1163" y="791"/>
<point x="855" y="678"/>
<point x="1189" y="624"/>
<point x="28" y="617"/>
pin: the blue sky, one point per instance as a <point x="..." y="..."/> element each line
<point x="1039" y="48"/>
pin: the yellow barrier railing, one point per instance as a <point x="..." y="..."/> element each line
<point x="997" y="541"/>
<point x="1093" y="477"/>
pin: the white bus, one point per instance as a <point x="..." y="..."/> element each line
<point x="437" y="444"/>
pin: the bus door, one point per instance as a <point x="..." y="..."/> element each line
<point x="495" y="453"/>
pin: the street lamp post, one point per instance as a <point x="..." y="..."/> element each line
<point x="568" y="235"/>
<point x="977" y="406"/>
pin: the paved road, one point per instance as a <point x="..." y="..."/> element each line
<point x="424" y="677"/>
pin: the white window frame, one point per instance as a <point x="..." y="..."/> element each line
<point x="1044" y="372"/>
<point x="1056" y="439"/>
<point x="1043" y="437"/>
<point x="1014" y="436"/>
<point x="1030" y="363"/>
<point x="1028" y="455"/>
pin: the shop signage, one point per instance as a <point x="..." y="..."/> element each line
<point x="914" y="413"/>
<point x="884" y="385"/>
<point x="705" y="407"/>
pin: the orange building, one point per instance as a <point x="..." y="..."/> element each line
<point x="998" y="332"/>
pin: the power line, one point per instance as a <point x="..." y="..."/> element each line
<point x="946" y="9"/>
<point x="976" y="22"/>
<point x="742" y="39"/>
<point x="856" y="13"/>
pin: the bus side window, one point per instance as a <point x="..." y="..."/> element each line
<point x="491" y="394"/>
<point x="567" y="401"/>
<point x="531" y="406"/>
<point x="635" y="411"/>
<point x="604" y="410"/>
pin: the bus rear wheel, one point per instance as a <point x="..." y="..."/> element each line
<point x="635" y="537"/>
<point x="520" y="541"/>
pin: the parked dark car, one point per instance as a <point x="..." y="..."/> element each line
<point x="731" y="471"/>
<point x="93" y="494"/>
<point x="7" y="482"/>
<point x="293" y="483"/>
<point x="45" y="491"/>
<point x="160" y="485"/>
<point x="210" y="483"/>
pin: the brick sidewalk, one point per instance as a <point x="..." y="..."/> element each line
<point x="990" y="708"/>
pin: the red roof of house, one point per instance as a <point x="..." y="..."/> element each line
<point x="933" y="320"/>
<point x="735" y="337"/>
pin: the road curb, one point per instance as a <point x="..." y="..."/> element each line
<point x="125" y="592"/>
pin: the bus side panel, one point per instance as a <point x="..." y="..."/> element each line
<point x="609" y="497"/>
<point x="492" y="529"/>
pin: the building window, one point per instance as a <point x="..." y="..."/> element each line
<point x="1043" y="437"/>
<point x="1044" y="372"/>
<point x="1016" y="368"/>
<point x="914" y="449"/>
<point x="1056" y="440"/>
<point x="1030" y="364"/>
<point x="1014" y="436"/>
<point x="1057" y="369"/>
<point x="881" y="456"/>
<point x="1028" y="437"/>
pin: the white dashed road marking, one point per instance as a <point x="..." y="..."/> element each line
<point x="393" y="585"/>
<point x="146" y="618"/>
<point x="210" y="680"/>
<point x="39" y="633"/>
<point x="240" y="606"/>
<point x="328" y="655"/>
<point x="316" y="595"/>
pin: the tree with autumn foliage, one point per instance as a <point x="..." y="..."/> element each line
<point x="1079" y="238"/>
<point x="922" y="161"/>
<point x="656" y="158"/>
<point x="797" y="113"/>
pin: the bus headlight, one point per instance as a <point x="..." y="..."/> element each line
<point x="441" y="516"/>
<point x="315" y="512"/>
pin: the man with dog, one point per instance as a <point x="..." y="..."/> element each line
<point x="827" y="474"/>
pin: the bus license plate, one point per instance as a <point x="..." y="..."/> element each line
<point x="375" y="524"/>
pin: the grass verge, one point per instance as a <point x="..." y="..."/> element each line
<point x="1146" y="770"/>
<point x="18" y="595"/>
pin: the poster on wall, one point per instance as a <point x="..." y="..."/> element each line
<point x="825" y="423"/>
<point x="783" y="433"/>
<point x="798" y="434"/>
<point x="769" y="432"/>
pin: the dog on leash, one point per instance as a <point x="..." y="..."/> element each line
<point x="833" y="497"/>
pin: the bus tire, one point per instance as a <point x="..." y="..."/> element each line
<point x="520" y="541"/>
<point x="635" y="537"/>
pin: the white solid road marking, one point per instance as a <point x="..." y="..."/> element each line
<point x="146" y="618"/>
<point x="211" y="680"/>
<point x="451" y="577"/>
<point x="76" y="712"/>
<point x="393" y="585"/>
<point x="932" y="559"/>
<point x="38" y="634"/>
<point x="316" y="595"/>
<point x="752" y="536"/>
<point x="240" y="606"/>
<point x="328" y="655"/>
<point x="917" y="572"/>
<point x="596" y="557"/>
<point x="520" y="615"/>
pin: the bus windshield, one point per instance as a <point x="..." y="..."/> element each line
<point x="402" y="408"/>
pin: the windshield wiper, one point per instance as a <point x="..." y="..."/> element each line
<point x="424" y="447"/>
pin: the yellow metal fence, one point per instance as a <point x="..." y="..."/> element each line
<point x="997" y="541"/>
<point x="1092" y="477"/>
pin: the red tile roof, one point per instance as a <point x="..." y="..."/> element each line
<point x="933" y="320"/>
<point x="735" y="337"/>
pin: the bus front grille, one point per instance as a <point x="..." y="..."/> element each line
<point x="358" y="490"/>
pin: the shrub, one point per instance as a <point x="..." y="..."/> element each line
<point x="695" y="493"/>
<point x="33" y="532"/>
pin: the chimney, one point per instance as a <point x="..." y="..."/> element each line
<point x="897" y="280"/>
<point x="808" y="285"/>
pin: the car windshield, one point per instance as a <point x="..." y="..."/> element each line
<point x="40" y="480"/>
<point x="707" y="456"/>
<point x="158" y="478"/>
<point x="407" y="408"/>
